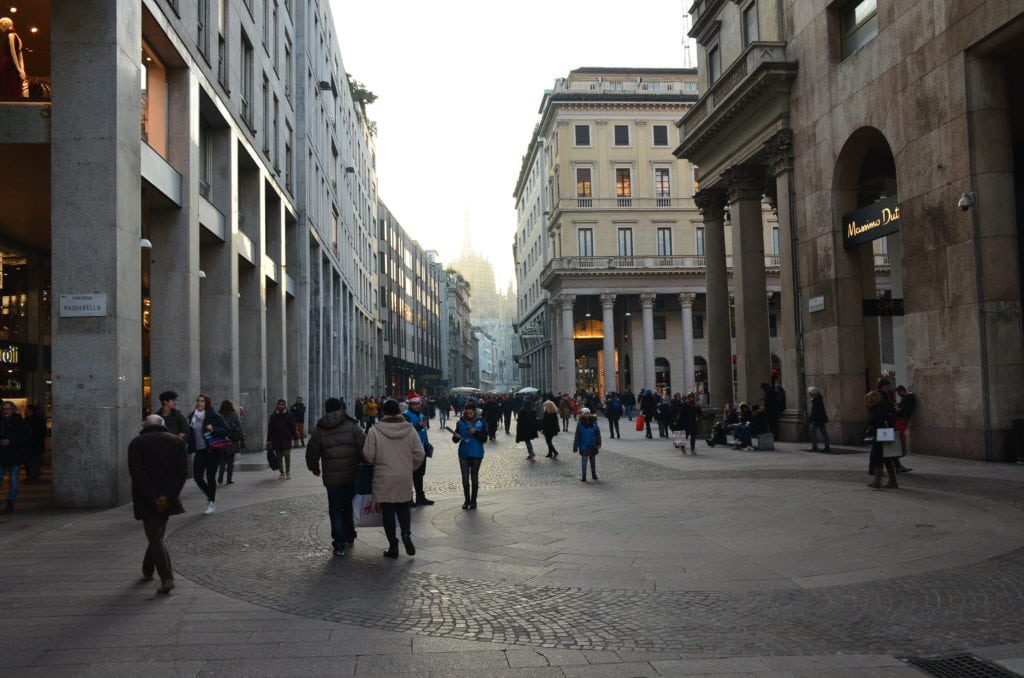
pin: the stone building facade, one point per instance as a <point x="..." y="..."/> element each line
<point x="210" y="232"/>
<point x="892" y="134"/>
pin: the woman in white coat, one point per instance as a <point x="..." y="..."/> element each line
<point x="393" y="447"/>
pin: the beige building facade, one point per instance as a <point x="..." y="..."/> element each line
<point x="891" y="135"/>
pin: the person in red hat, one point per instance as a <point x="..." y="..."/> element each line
<point x="419" y="421"/>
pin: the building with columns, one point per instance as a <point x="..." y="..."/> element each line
<point x="890" y="137"/>
<point x="194" y="210"/>
<point x="623" y="268"/>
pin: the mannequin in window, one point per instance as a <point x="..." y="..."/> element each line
<point x="12" y="65"/>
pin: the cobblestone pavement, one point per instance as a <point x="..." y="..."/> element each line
<point x="704" y="560"/>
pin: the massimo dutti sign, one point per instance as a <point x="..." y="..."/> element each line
<point x="871" y="222"/>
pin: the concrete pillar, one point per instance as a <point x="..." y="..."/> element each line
<point x="686" y="300"/>
<point x="780" y="157"/>
<point x="753" y="352"/>
<point x="711" y="202"/>
<point x="608" y="318"/>
<point x="96" y="186"/>
<point x="567" y="366"/>
<point x="647" y="304"/>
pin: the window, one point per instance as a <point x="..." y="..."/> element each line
<point x="203" y="28"/>
<point x="622" y="135"/>
<point x="585" y="240"/>
<point x="153" y="97"/>
<point x="664" y="242"/>
<point x="660" y="327"/>
<point x="205" y="158"/>
<point x="222" y="47"/>
<point x="623" y="187"/>
<point x="287" y="67"/>
<point x="625" y="242"/>
<point x="247" y="68"/>
<point x="775" y="240"/>
<point x="773" y="325"/>
<point x="584" y="196"/>
<point x="700" y="241"/>
<point x="276" y="141"/>
<point x="750" y="33"/>
<point x="698" y="327"/>
<point x="714" y="65"/>
<point x="661" y="135"/>
<point x="266" y="113"/>
<point x="582" y="135"/>
<point x="662" y="187"/>
<point x="858" y="24"/>
<point x="288" y="157"/>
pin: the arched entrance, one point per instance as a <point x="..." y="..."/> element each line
<point x="867" y="205"/>
<point x="588" y="336"/>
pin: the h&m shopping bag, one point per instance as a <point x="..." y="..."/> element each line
<point x="366" y="512"/>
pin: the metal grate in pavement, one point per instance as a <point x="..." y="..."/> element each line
<point x="959" y="666"/>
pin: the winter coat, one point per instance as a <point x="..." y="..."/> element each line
<point x="565" y="408"/>
<point x="14" y="429"/>
<point x="818" y="414"/>
<point x="587" y="440"/>
<point x="281" y="430"/>
<point x="395" y="450"/>
<point x="234" y="423"/>
<point x="549" y="424"/>
<point x="648" y="404"/>
<point x="210" y="418"/>
<point x="526" y="424"/>
<point x="158" y="467"/>
<point x="677" y="415"/>
<point x="176" y="423"/>
<point x="335" y="449"/>
<point x="472" y="438"/>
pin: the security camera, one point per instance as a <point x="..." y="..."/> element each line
<point x="965" y="202"/>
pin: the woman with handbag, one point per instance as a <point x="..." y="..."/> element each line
<point x="237" y="437"/>
<point x="880" y="416"/>
<point x="209" y="433"/>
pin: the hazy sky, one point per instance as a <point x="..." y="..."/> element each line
<point x="459" y="83"/>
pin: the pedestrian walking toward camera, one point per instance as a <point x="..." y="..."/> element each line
<point x="526" y="427"/>
<point x="206" y="424"/>
<point x="880" y="415"/>
<point x="393" y="447"/>
<point x="15" y="441"/>
<point x="648" y="408"/>
<point x="471" y="435"/>
<point x="237" y="437"/>
<point x="334" y="451"/>
<point x="587" y="442"/>
<point x="281" y="431"/>
<point x="817" y="419"/>
<point x="692" y="416"/>
<point x="550" y="427"/>
<point x="158" y="466"/>
<point x="298" y="412"/>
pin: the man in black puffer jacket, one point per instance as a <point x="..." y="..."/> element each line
<point x="334" y="452"/>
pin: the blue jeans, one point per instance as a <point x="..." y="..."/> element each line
<point x="743" y="434"/>
<point x="529" y="447"/>
<point x="339" y="507"/>
<point x="593" y="464"/>
<point x="629" y="411"/>
<point x="14" y="472"/>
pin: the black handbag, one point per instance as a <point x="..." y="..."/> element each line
<point x="271" y="458"/>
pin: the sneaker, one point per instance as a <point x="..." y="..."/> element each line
<point x="288" y="476"/>
<point x="749" y="448"/>
<point x="339" y="552"/>
<point x="904" y="469"/>
<point x="210" y="508"/>
<point x="165" y="586"/>
<point x="281" y="477"/>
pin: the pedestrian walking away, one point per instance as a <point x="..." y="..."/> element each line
<point x="550" y="427"/>
<point x="420" y="422"/>
<point x="333" y="453"/>
<point x="158" y="466"/>
<point x="471" y="435"/>
<point x="526" y="427"/>
<point x="237" y="437"/>
<point x="393" y="447"/>
<point x="587" y="442"/>
<point x="817" y="420"/>
<point x="613" y="411"/>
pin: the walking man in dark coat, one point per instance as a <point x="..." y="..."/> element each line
<point x="158" y="466"/>
<point x="334" y="451"/>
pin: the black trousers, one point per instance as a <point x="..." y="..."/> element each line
<point x="205" y="472"/>
<point x="389" y="511"/>
<point x="470" y="467"/>
<point x="613" y="427"/>
<point x="417" y="480"/>
<point x="156" y="556"/>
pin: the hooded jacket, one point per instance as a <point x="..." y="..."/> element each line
<point x="395" y="450"/>
<point x="335" y="448"/>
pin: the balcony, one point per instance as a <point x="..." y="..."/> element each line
<point x="688" y="264"/>
<point x="624" y="202"/>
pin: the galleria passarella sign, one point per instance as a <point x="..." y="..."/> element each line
<point x="871" y="222"/>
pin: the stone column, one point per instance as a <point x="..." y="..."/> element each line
<point x="686" y="300"/>
<point x="647" y="303"/>
<point x="553" y="324"/>
<point x="607" y="317"/>
<point x="567" y="367"/>
<point x="96" y="183"/>
<point x="753" y="354"/>
<point x="780" y="158"/>
<point x="711" y="202"/>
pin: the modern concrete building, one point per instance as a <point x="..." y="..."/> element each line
<point x="193" y="211"/>
<point x="461" y="365"/>
<point x="625" y="266"/>
<point x="892" y="135"/>
<point x="411" y="289"/>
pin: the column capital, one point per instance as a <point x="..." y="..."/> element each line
<point x="744" y="182"/>
<point x="647" y="300"/>
<point x="711" y="203"/>
<point x="607" y="301"/>
<point x="565" y="301"/>
<point x="779" y="152"/>
<point x="686" y="299"/>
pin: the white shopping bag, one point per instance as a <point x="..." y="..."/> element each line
<point x="366" y="512"/>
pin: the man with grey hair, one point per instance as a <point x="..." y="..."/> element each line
<point x="158" y="465"/>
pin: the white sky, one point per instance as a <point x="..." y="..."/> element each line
<point x="459" y="83"/>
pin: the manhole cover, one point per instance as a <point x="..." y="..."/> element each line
<point x="959" y="666"/>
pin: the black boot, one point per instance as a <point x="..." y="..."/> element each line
<point x="392" y="552"/>
<point x="409" y="548"/>
<point x="10" y="507"/>
<point x="465" y="503"/>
